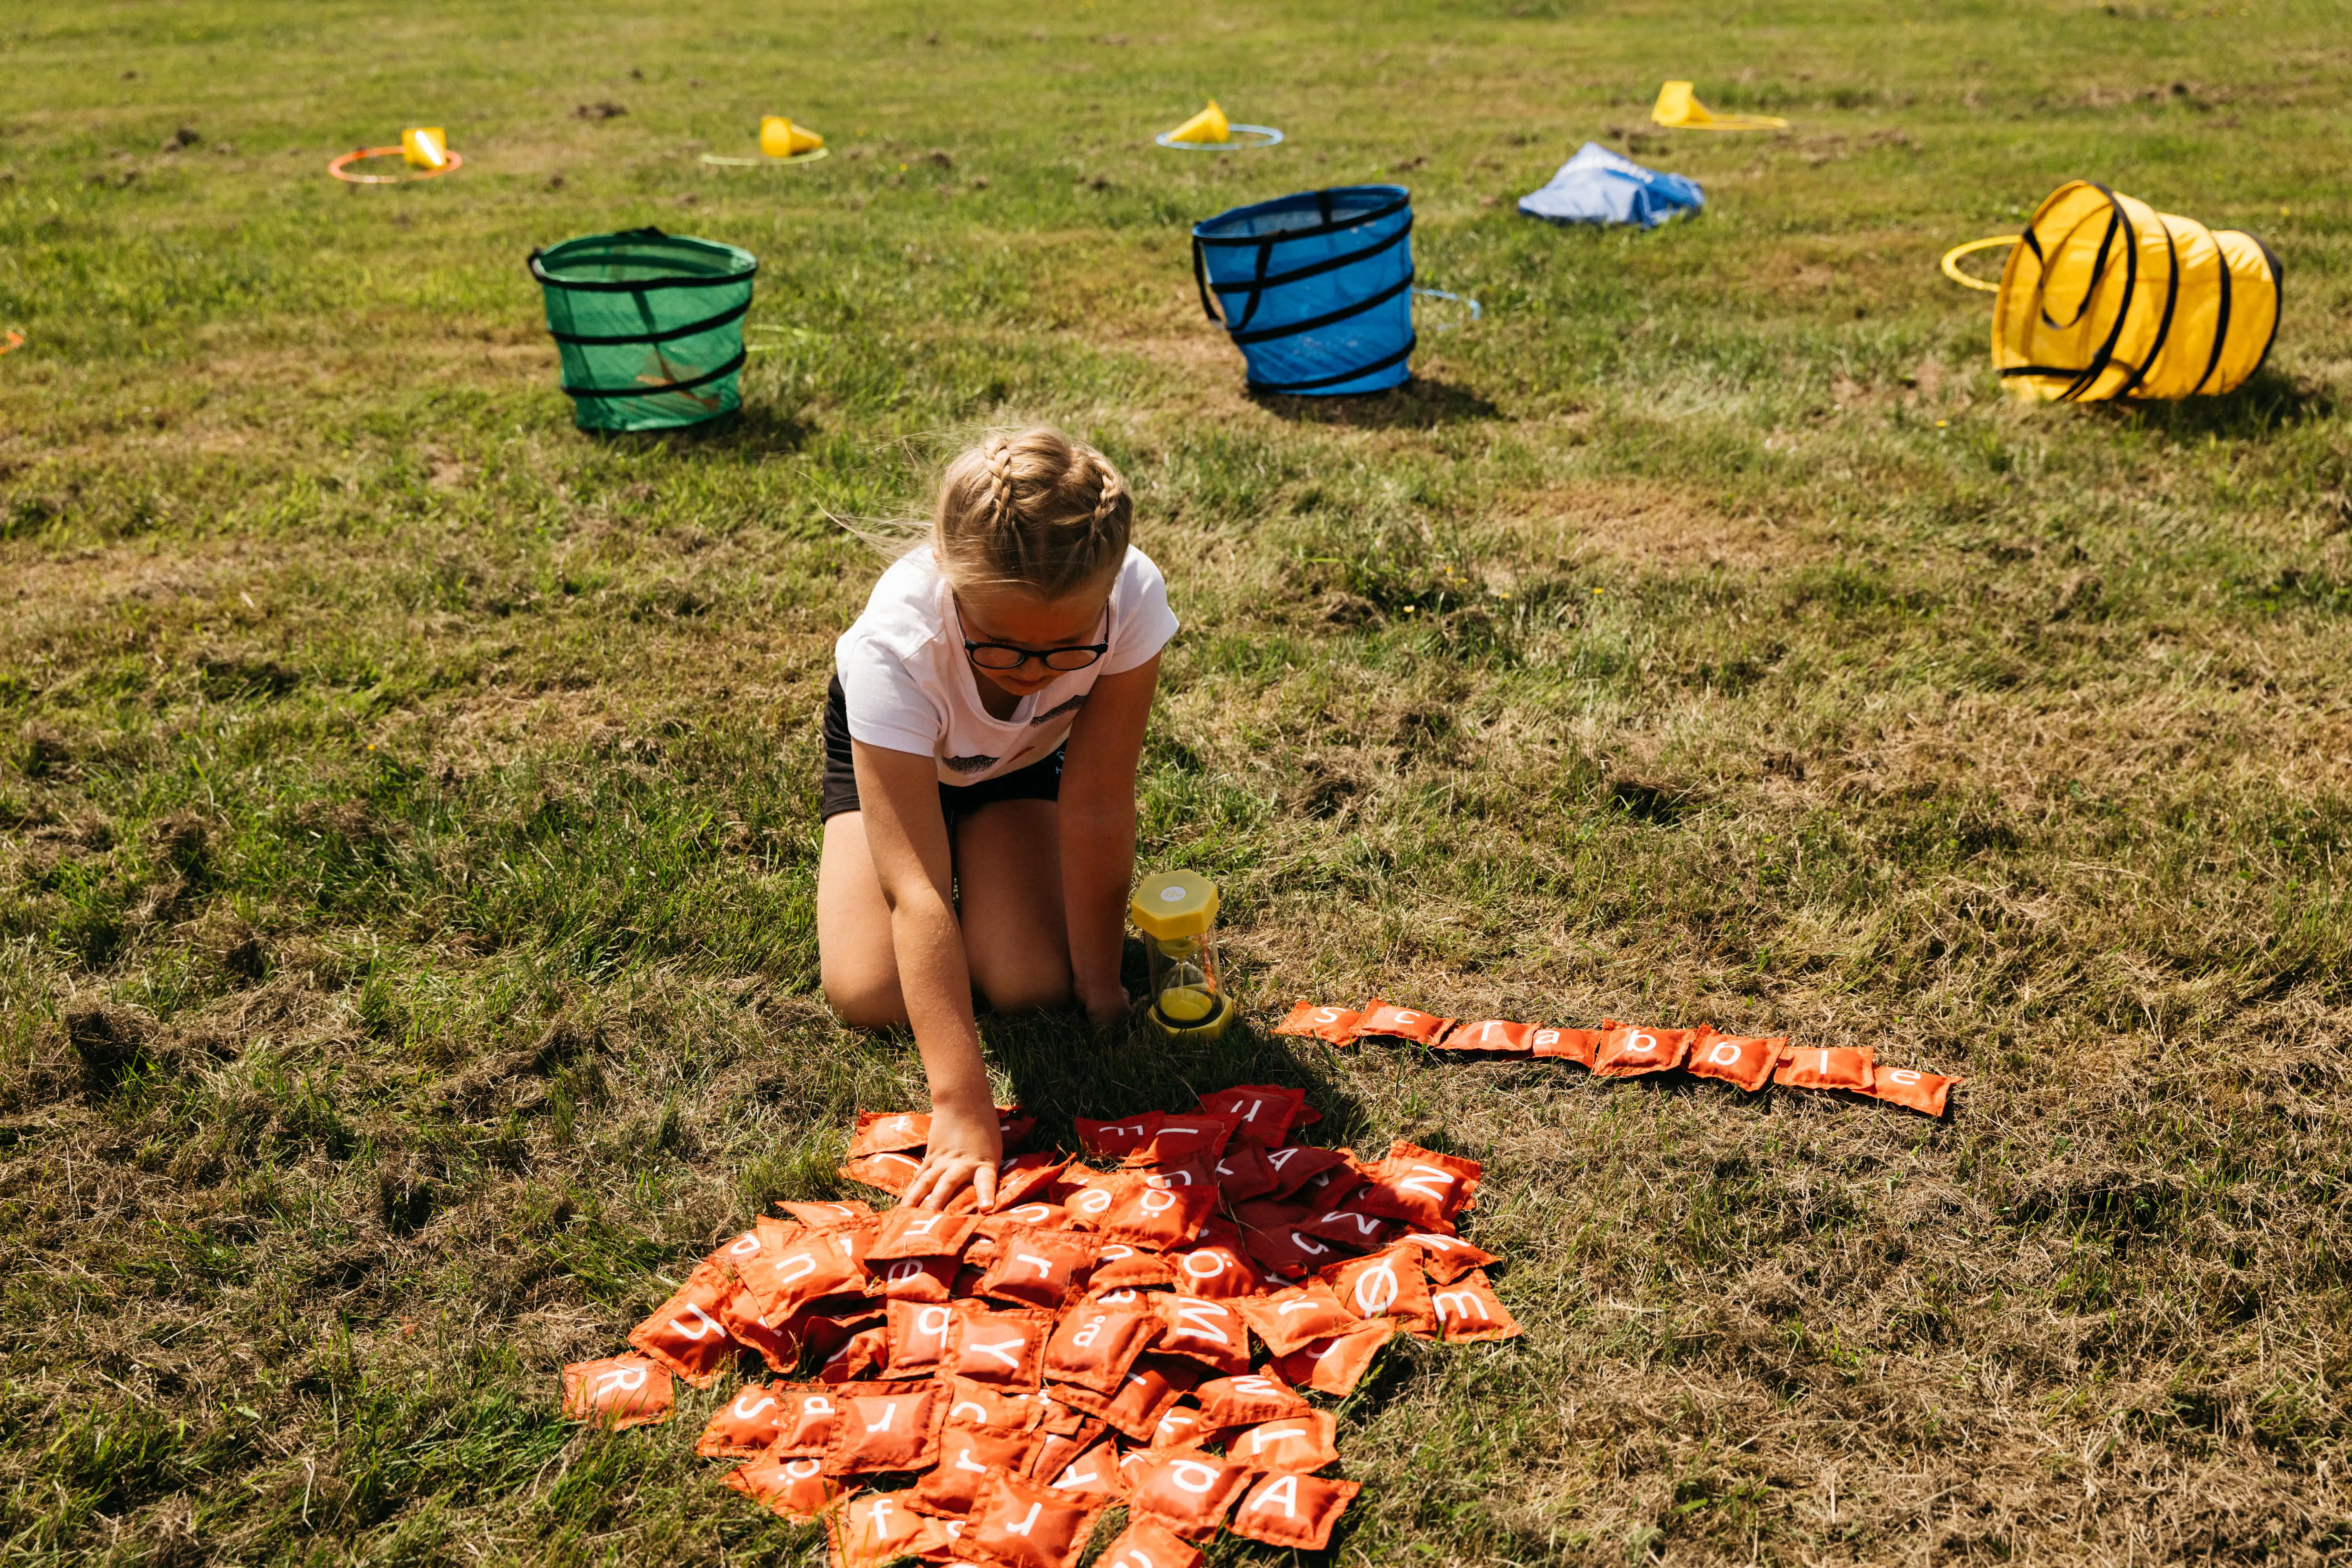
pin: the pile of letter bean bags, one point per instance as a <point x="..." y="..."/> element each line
<point x="978" y="1387"/>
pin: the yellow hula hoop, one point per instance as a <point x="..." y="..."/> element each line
<point x="761" y="160"/>
<point x="1950" y="265"/>
<point x="337" y="166"/>
<point x="1736" y="123"/>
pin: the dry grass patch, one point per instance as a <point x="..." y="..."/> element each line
<point x="1655" y="528"/>
<point x="404" y="972"/>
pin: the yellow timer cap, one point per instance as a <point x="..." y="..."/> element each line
<point x="1174" y="904"/>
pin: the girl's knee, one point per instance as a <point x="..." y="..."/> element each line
<point x="864" y="1001"/>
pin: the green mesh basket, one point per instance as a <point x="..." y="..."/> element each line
<point x="649" y="326"/>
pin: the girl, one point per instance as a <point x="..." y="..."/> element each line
<point x="980" y="738"/>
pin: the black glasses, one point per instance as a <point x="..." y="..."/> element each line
<point x="1004" y="655"/>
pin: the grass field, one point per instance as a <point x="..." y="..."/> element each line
<point x="407" y="805"/>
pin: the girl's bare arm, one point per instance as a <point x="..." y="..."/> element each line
<point x="899" y="794"/>
<point x="1097" y="817"/>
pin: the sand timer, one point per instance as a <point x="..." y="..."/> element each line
<point x="1177" y="914"/>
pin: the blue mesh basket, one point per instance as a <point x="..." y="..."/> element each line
<point x="1316" y="288"/>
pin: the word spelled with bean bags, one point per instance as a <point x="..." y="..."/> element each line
<point x="1621" y="1050"/>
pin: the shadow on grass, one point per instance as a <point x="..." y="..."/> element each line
<point x="2269" y="402"/>
<point x="747" y="434"/>
<point x="1420" y="404"/>
<point x="1062" y="1070"/>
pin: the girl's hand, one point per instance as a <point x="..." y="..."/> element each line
<point x="965" y="1148"/>
<point x="1105" y="1007"/>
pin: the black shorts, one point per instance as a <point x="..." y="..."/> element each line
<point x="1041" y="780"/>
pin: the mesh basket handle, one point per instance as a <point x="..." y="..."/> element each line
<point x="1257" y="290"/>
<point x="1201" y="279"/>
<point x="531" y="261"/>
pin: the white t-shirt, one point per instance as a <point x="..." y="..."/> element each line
<point x="910" y="687"/>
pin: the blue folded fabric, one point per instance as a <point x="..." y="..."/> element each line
<point x="1599" y="186"/>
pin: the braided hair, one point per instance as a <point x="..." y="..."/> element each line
<point x="1032" y="509"/>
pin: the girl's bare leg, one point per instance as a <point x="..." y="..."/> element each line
<point x="1008" y="862"/>
<point x="858" y="967"/>
<point x="1008" y="900"/>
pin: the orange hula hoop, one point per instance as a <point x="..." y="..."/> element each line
<point x="14" y="341"/>
<point x="337" y="167"/>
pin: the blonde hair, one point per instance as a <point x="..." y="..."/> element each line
<point x="1031" y="509"/>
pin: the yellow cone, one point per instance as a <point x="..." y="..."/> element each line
<point x="1678" y="106"/>
<point x="780" y="137"/>
<point x="425" y="148"/>
<point x="1209" y="125"/>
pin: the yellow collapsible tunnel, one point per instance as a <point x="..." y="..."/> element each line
<point x="2104" y="296"/>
